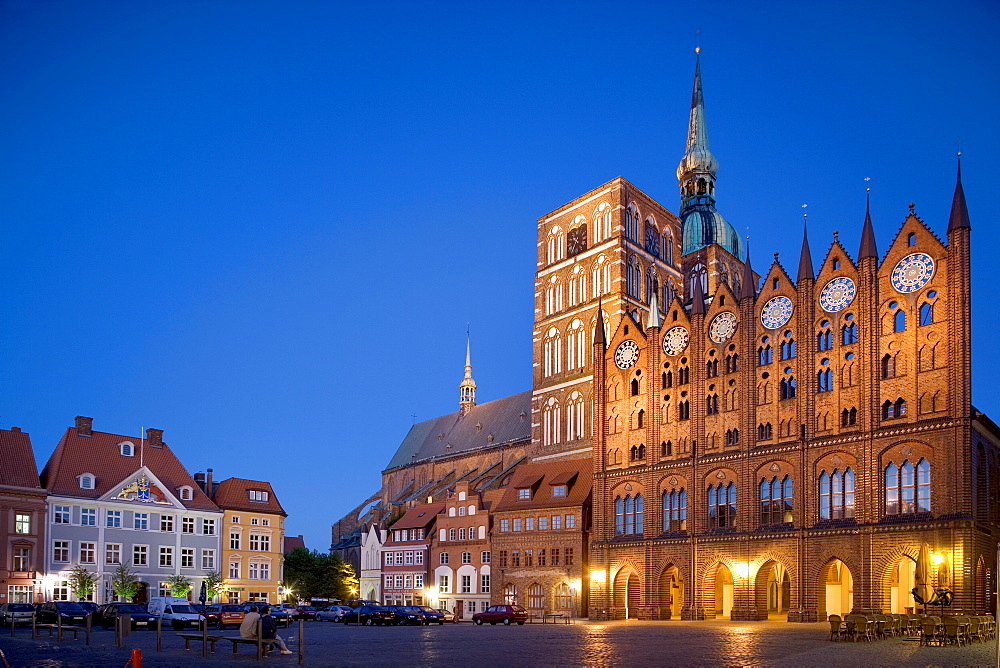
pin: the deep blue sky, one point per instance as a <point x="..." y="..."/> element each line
<point x="263" y="226"/>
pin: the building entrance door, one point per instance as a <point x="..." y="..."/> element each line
<point x="459" y="609"/>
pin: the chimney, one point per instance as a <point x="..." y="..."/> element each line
<point x="154" y="438"/>
<point x="208" y="484"/>
<point x="16" y="429"/>
<point x="199" y="478"/>
<point x="84" y="426"/>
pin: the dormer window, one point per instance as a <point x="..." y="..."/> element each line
<point x="186" y="493"/>
<point x="258" y="496"/>
<point x="127" y="448"/>
<point x="524" y="494"/>
<point x="559" y="490"/>
<point x="86" y="480"/>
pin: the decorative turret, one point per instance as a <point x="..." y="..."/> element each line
<point x="654" y="319"/>
<point x="467" y="388"/>
<point x="599" y="328"/>
<point x="748" y="282"/>
<point x="701" y="224"/>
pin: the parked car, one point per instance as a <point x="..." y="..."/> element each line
<point x="370" y="615"/>
<point x="67" y="611"/>
<point x="431" y="615"/>
<point x="230" y="614"/>
<point x="304" y="612"/>
<point x="406" y="614"/>
<point x="448" y="615"/>
<point x="109" y="612"/>
<point x="360" y="602"/>
<point x="210" y="612"/>
<point x="332" y="613"/>
<point x="502" y="613"/>
<point x="175" y="611"/>
<point x="17" y="613"/>
<point x="89" y="606"/>
<point x="281" y="615"/>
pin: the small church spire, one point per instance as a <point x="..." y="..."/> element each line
<point x="654" y="319"/>
<point x="959" y="217"/>
<point x="467" y="388"/>
<point x="599" y="327"/>
<point x="868" y="232"/>
<point x="748" y="284"/>
<point x="805" y="258"/>
<point x="697" y="297"/>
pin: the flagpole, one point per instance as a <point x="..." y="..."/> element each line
<point x="142" y="446"/>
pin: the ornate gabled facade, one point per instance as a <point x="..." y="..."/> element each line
<point x="22" y="520"/>
<point x="785" y="452"/>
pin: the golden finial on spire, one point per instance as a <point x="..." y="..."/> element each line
<point x="868" y="189"/>
<point x="697" y="47"/>
<point x="959" y="145"/>
<point x="805" y="212"/>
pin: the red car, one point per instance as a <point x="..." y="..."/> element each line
<point x="502" y="613"/>
<point x="304" y="612"/>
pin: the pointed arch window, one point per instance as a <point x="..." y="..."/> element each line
<point x="552" y="353"/>
<point x="600" y="277"/>
<point x="632" y="223"/>
<point x="893" y="409"/>
<point x="764" y="431"/>
<point x="764" y="354"/>
<point x="712" y="368"/>
<point x="575" y="418"/>
<point x="553" y="296"/>
<point x="899" y="321"/>
<point x="712" y="404"/>
<point x="668" y="248"/>
<point x="888" y="366"/>
<point x="824" y="377"/>
<point x="788" y="387"/>
<point x="577" y="286"/>
<point x="849" y="418"/>
<point x="628" y="515"/>
<point x="576" y="345"/>
<point x="651" y="238"/>
<point x="551" y="422"/>
<point x="776" y="500"/>
<point x="722" y="505"/>
<point x="652" y="284"/>
<point x="836" y="494"/>
<point x="683" y="410"/>
<point x="732" y="363"/>
<point x="555" y="245"/>
<point x="667" y="380"/>
<point x="666" y="448"/>
<point x="926" y="313"/>
<point x="908" y="488"/>
<point x="675" y="510"/>
<point x="824" y="340"/>
<point x="602" y="222"/>
<point x="732" y="436"/>
<point x="788" y="349"/>
<point x="849" y="332"/>
<point x="683" y="375"/>
<point x="700" y="274"/>
<point x="633" y="277"/>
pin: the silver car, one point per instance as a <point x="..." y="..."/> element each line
<point x="332" y="613"/>
<point x="18" y="613"/>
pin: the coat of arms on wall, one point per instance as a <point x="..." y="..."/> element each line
<point x="140" y="489"/>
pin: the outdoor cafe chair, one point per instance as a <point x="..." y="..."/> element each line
<point x="862" y="628"/>
<point x="930" y="632"/>
<point x="952" y="632"/>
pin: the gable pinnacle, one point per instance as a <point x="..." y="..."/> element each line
<point x="867" y="233"/>
<point x="599" y="327"/>
<point x="959" y="218"/>
<point x="654" y="319"/>
<point x="805" y="258"/>
<point x="748" y="284"/>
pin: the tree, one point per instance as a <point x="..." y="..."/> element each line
<point x="318" y="575"/>
<point x="81" y="582"/>
<point x="124" y="582"/>
<point x="179" y="585"/>
<point x="214" y="584"/>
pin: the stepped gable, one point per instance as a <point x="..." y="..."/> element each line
<point x="17" y="461"/>
<point x="576" y="474"/>
<point x="98" y="453"/>
<point x="234" y="494"/>
<point x="485" y="425"/>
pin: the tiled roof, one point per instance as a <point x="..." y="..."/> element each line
<point x="100" y="455"/>
<point x="494" y="423"/>
<point x="292" y="542"/>
<point x="541" y="476"/>
<point x="234" y="494"/>
<point x="418" y="517"/>
<point x="17" y="461"/>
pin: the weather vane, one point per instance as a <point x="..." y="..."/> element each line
<point x="697" y="40"/>
<point x="959" y="145"/>
<point x="868" y="189"/>
<point x="805" y="212"/>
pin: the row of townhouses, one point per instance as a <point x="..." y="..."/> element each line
<point x="105" y="500"/>
<point x="523" y="544"/>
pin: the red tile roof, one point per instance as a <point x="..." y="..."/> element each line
<point x="100" y="455"/>
<point x="234" y="494"/>
<point x="17" y="461"/>
<point x="419" y="516"/>
<point x="292" y="542"/>
<point x="541" y="477"/>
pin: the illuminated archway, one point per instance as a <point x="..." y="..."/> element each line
<point x="671" y="594"/>
<point x="836" y="590"/>
<point x="900" y="580"/>
<point x="628" y="594"/>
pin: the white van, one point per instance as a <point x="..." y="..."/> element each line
<point x="175" y="610"/>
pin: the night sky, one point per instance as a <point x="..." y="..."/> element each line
<point x="263" y="226"/>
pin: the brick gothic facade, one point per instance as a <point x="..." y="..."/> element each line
<point x="785" y="453"/>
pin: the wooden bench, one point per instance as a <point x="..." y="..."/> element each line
<point x="188" y="637"/>
<point x="66" y="628"/>
<point x="239" y="640"/>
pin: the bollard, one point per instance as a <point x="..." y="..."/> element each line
<point x="204" y="636"/>
<point x="12" y="627"/>
<point x="136" y="660"/>
<point x="302" y="626"/>
<point x="90" y="616"/>
<point x="34" y="631"/>
<point x="58" y="625"/>
<point x="260" y="639"/>
<point x="159" y="633"/>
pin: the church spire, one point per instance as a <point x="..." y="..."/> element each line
<point x="467" y="388"/>
<point x="868" y="233"/>
<point x="748" y="284"/>
<point x="805" y="258"/>
<point x="959" y="217"/>
<point x="599" y="327"/>
<point x="701" y="224"/>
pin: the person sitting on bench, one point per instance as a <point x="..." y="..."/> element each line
<point x="269" y="629"/>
